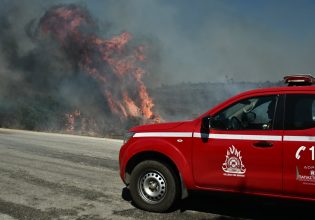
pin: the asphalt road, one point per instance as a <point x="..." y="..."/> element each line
<point x="54" y="176"/>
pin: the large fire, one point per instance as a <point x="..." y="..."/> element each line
<point x="114" y="63"/>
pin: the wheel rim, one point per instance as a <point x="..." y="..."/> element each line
<point x="152" y="187"/>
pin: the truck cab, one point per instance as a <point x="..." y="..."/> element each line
<point x="259" y="142"/>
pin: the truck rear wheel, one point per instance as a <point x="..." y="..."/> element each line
<point x="154" y="186"/>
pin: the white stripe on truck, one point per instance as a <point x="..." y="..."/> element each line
<point x="227" y="136"/>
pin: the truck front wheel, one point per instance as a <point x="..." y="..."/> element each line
<point x="154" y="186"/>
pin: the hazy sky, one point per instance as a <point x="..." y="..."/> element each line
<point x="207" y="40"/>
<point x="211" y="40"/>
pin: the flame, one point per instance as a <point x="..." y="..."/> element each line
<point x="131" y="106"/>
<point x="71" y="119"/>
<point x="86" y="124"/>
<point x="114" y="63"/>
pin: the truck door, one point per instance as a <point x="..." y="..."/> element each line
<point x="243" y="149"/>
<point x="299" y="145"/>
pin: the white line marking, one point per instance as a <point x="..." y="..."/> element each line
<point x="227" y="136"/>
<point x="242" y="137"/>
<point x="299" y="138"/>
<point x="164" y="134"/>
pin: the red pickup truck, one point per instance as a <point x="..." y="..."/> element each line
<point x="259" y="142"/>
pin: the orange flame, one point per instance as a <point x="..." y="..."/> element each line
<point x="70" y="120"/>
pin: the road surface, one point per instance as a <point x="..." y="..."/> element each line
<point x="55" y="176"/>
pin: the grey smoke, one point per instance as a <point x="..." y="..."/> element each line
<point x="205" y="41"/>
<point x="193" y="42"/>
<point x="39" y="84"/>
<point x="198" y="41"/>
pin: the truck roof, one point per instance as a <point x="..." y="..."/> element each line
<point x="282" y="89"/>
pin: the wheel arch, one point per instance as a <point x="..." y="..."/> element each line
<point x="157" y="156"/>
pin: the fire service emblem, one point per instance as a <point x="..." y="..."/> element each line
<point x="233" y="165"/>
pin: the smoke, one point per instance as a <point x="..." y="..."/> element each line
<point x="47" y="83"/>
<point x="204" y="41"/>
<point x="59" y="74"/>
<point x="208" y="40"/>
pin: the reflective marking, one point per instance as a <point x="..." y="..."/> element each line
<point x="163" y="134"/>
<point x="241" y="137"/>
<point x="299" y="138"/>
<point x="213" y="136"/>
<point x="227" y="136"/>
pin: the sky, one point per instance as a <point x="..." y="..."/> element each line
<point x="207" y="40"/>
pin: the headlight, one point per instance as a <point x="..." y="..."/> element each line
<point x="128" y="136"/>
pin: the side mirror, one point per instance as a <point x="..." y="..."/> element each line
<point x="206" y="123"/>
<point x="205" y="128"/>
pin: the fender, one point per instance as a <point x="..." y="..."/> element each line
<point x="161" y="146"/>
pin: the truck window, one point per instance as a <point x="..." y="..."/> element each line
<point x="255" y="113"/>
<point x="299" y="111"/>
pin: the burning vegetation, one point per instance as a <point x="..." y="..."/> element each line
<point x="115" y="65"/>
<point x="100" y="87"/>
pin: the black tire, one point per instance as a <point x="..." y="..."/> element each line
<point x="154" y="186"/>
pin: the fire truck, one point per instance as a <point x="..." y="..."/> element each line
<point x="260" y="142"/>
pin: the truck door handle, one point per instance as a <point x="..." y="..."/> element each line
<point x="263" y="144"/>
